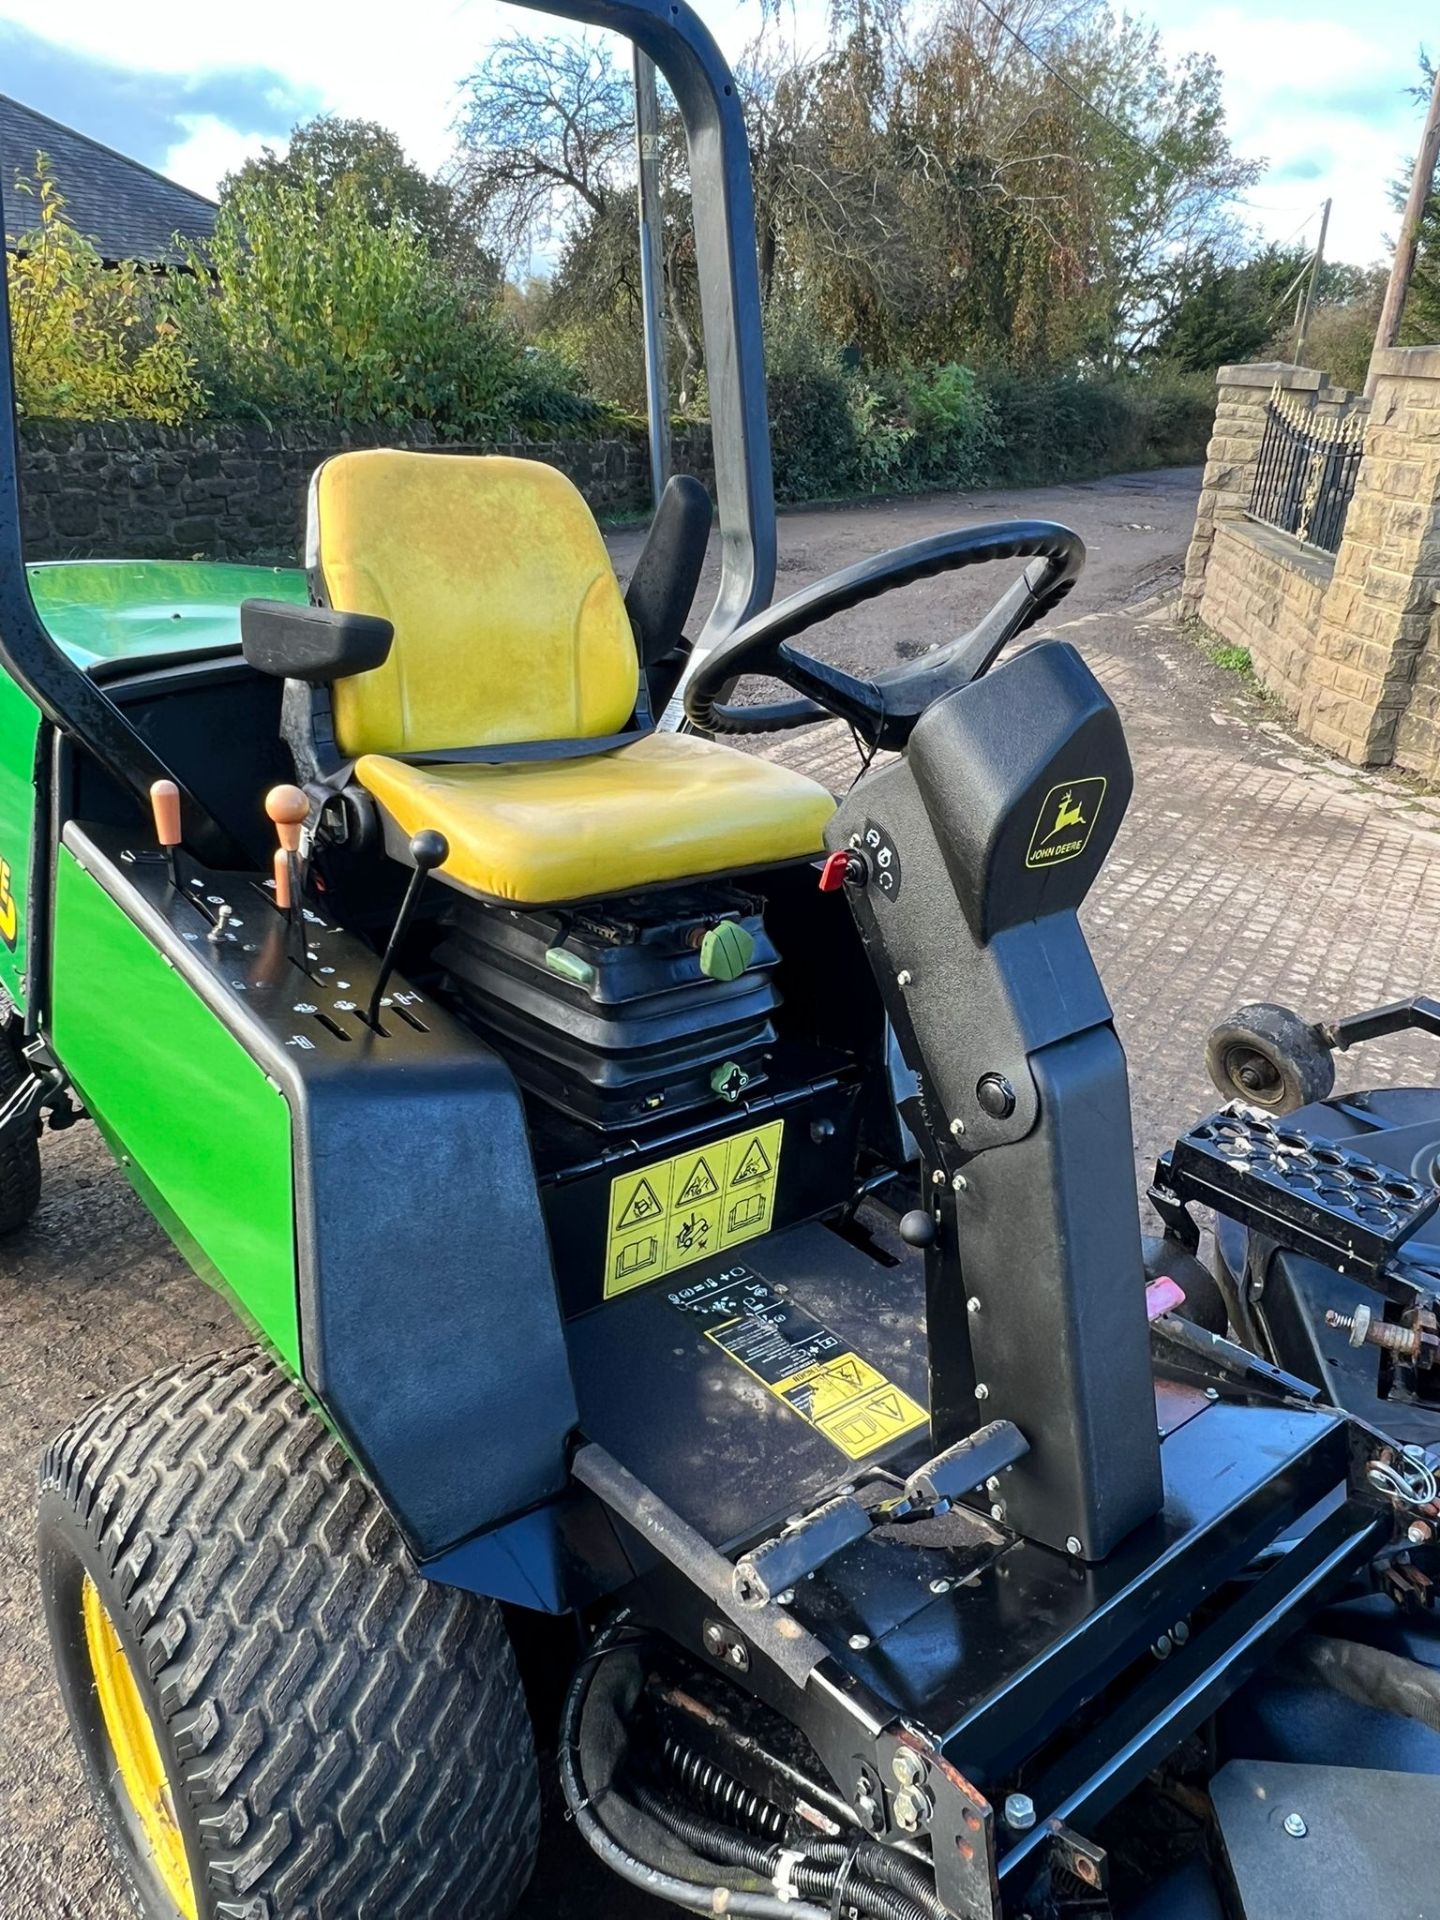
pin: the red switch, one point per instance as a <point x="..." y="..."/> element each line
<point x="832" y="874"/>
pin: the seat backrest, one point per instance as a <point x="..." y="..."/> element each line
<point x="509" y="622"/>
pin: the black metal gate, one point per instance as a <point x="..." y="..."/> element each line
<point x="1306" y="473"/>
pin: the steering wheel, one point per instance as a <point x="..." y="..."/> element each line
<point x="883" y="709"/>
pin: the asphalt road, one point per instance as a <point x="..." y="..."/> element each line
<point x="92" y="1294"/>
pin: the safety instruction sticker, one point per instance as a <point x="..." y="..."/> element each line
<point x="811" y="1369"/>
<point x="691" y="1206"/>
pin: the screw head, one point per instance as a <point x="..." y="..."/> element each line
<point x="1180" y="1632"/>
<point x="940" y="1586"/>
<point x="713" y="1637"/>
<point x="1163" y="1647"/>
<point x="859" y="1642"/>
<point x="1295" y="1826"/>
<point x="959" y="1183"/>
<point x="1074" y="1545"/>
<point x="913" y="1808"/>
<point x="738" y="1656"/>
<point x="957" y="1127"/>
<point x="904" y="977"/>
<point x="1419" y="1532"/>
<point x="992" y="1485"/>
<point x="997" y="1512"/>
<point x="1019" y="1812"/>
<point x="908" y="1768"/>
<point x="937" y="1178"/>
<point x="1212" y="1393"/>
<point x="972" y="1305"/>
<point x="982" y="1392"/>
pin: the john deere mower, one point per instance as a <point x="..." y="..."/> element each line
<point x="690" y="1238"/>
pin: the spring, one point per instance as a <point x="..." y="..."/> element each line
<point x="720" y="1793"/>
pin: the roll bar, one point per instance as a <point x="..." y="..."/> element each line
<point x="680" y="44"/>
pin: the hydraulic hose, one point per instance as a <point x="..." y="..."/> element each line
<point x="692" y="1895"/>
<point x="1373" y="1677"/>
<point x="810" y="1874"/>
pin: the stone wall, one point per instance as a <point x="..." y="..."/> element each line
<point x="1352" y="647"/>
<point x="238" y="492"/>
<point x="1265" y="592"/>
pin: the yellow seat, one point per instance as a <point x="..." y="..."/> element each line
<point x="510" y="628"/>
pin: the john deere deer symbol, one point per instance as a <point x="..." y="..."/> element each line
<point x="1067" y="818"/>
<point x="1069" y="814"/>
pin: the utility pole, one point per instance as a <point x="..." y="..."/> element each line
<point x="1302" y="325"/>
<point x="1388" y="332"/>
<point x="652" y="270"/>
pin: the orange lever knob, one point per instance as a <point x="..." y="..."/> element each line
<point x="165" y="805"/>
<point x="282" y="879"/>
<point x="288" y="809"/>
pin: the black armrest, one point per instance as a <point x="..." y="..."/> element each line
<point x="315" y="644"/>
<point x="662" y="587"/>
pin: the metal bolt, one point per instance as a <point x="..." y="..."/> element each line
<point x="957" y="1127"/>
<point x="859" y="1642"/>
<point x="714" y="1637"/>
<point x="940" y="1586"/>
<point x="1019" y="1812"/>
<point x="982" y="1392"/>
<point x="1163" y="1647"/>
<point x="997" y="1512"/>
<point x="784" y="1599"/>
<point x="959" y="1183"/>
<point x="937" y="1178"/>
<point x="868" y="1807"/>
<point x="904" y="977"/>
<point x="1180" y="1632"/>
<point x="992" y="1485"/>
<point x="1073" y="1545"/>
<point x="913" y="1809"/>
<point x="738" y="1656"/>
<point x="1212" y="1393"/>
<point x="1419" y="1532"/>
<point x="1295" y="1826"/>
<point x="908" y="1768"/>
<point x="972" y="1305"/>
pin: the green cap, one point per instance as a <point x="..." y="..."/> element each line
<point x="726" y="951"/>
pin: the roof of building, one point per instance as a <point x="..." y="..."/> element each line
<point x="128" y="210"/>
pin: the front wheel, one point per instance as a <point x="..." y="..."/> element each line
<point x="277" y="1716"/>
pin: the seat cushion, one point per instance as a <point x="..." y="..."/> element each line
<point x="509" y="623"/>
<point x="668" y="807"/>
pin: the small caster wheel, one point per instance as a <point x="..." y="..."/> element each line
<point x="1270" y="1058"/>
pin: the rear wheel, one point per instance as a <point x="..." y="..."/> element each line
<point x="19" y="1149"/>
<point x="278" y="1717"/>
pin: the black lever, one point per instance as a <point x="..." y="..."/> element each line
<point x="428" y="849"/>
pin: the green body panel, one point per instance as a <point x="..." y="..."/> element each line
<point x="19" y="727"/>
<point x="145" y="609"/>
<point x="197" y="1126"/>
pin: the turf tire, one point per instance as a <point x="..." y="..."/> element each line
<point x="343" y="1740"/>
<point x="20" y="1152"/>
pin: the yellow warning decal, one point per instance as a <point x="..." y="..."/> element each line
<point x="803" y="1363"/>
<point x="691" y="1207"/>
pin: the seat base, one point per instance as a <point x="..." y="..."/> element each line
<point x="545" y="832"/>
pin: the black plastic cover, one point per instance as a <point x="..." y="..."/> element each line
<point x="313" y="644"/>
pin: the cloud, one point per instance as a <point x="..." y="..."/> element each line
<point x="1322" y="102"/>
<point x="210" y="149"/>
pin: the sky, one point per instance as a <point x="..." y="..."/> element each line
<point x="1315" y="88"/>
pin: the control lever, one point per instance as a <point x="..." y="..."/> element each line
<point x="288" y="809"/>
<point x="428" y="850"/>
<point x="165" y="806"/>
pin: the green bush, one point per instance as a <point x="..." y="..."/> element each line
<point x="1058" y="427"/>
<point x="90" y="342"/>
<point x="302" y="306"/>
<point x="814" y="439"/>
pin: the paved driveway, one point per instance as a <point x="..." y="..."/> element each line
<point x="1247" y="869"/>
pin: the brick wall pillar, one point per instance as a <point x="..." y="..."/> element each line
<point x="1234" y="452"/>
<point x="1379" y="618"/>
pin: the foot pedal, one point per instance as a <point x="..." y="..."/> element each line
<point x="968" y="1464"/>
<point x="1321" y="1198"/>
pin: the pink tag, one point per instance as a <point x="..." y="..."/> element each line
<point x="1162" y="1296"/>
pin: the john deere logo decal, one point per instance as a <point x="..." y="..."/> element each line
<point x="9" y="919"/>
<point x="1067" y="819"/>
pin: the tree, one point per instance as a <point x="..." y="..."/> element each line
<point x="301" y="304"/>
<point x="369" y="161"/>
<point x="90" y="342"/>
<point x="547" y="128"/>
<point x="1220" y="312"/>
<point x="1421" y="324"/>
